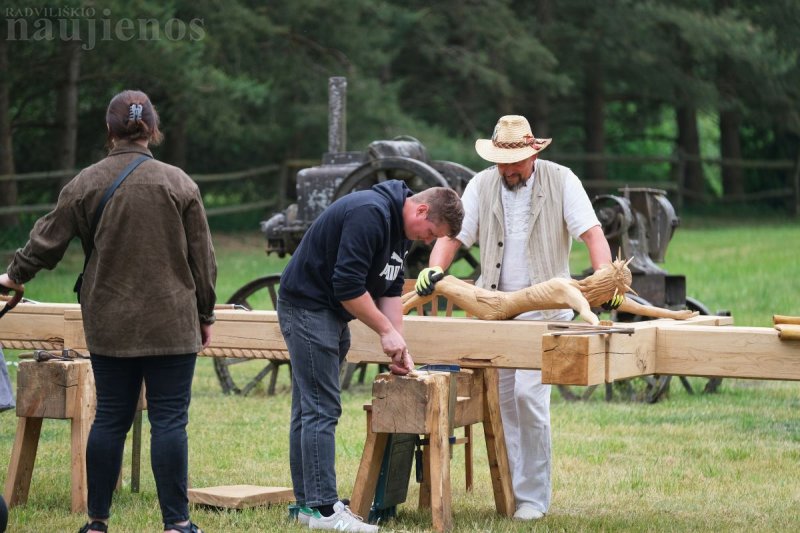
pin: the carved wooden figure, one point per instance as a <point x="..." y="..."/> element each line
<point x="556" y="293"/>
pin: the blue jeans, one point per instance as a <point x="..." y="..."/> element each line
<point x="118" y="381"/>
<point x="318" y="342"/>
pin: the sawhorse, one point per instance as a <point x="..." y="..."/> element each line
<point x="58" y="390"/>
<point x="419" y="404"/>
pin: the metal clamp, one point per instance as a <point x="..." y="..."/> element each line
<point x="587" y="329"/>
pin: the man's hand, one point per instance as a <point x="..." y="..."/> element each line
<point x="402" y="364"/>
<point x="205" y="335"/>
<point x="427" y="279"/>
<point x="6" y="284"/>
<point x="614" y="302"/>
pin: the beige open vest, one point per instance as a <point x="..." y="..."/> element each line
<point x="549" y="242"/>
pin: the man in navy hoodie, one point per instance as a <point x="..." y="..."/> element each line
<point x="348" y="265"/>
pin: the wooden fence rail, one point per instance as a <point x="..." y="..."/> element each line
<point x="674" y="185"/>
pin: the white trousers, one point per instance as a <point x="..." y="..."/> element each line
<point x="525" y="411"/>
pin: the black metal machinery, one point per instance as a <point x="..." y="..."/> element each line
<point x="639" y="225"/>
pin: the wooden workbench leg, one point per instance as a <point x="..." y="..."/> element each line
<point x="425" y="486"/>
<point x="468" y="456"/>
<point x="81" y="425"/>
<point x="23" y="456"/>
<point x="80" y="434"/>
<point x="136" y="452"/>
<point x="496" y="445"/>
<point x="441" y="499"/>
<point x="368" y="470"/>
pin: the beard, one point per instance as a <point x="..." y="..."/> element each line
<point x="518" y="185"/>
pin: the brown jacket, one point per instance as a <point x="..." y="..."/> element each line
<point x="150" y="281"/>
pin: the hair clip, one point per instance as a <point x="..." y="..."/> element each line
<point x="135" y="112"/>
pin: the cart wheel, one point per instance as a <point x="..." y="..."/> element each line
<point x="240" y="376"/>
<point x="418" y="175"/>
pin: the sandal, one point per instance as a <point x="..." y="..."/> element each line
<point x="188" y="528"/>
<point x="96" y="526"/>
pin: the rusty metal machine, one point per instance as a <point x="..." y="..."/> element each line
<point x="342" y="172"/>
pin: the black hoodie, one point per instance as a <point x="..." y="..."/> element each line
<point x="356" y="245"/>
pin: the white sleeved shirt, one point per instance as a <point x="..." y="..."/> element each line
<point x="579" y="216"/>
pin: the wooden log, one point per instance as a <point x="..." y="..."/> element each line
<point x="620" y="366"/>
<point x="788" y="332"/>
<point x="783" y="319"/>
<point x="470" y="343"/>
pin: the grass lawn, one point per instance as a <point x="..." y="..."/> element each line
<point x="722" y="462"/>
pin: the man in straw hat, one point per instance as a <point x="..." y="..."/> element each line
<point x="523" y="211"/>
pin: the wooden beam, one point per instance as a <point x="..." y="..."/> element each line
<point x="574" y="359"/>
<point x="596" y="358"/>
<point x="468" y="342"/>
<point x="734" y="352"/>
<point x="34" y="326"/>
<point x="674" y="349"/>
<point x="471" y="343"/>
<point x="235" y="334"/>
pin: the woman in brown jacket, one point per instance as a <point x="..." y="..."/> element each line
<point x="147" y="300"/>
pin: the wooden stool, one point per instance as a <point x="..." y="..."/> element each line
<point x="419" y="404"/>
<point x="52" y="389"/>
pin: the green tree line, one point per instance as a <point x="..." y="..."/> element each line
<point x="243" y="83"/>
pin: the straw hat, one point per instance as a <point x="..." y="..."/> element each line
<point x="511" y="141"/>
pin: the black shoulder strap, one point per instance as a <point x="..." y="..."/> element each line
<point x="106" y="197"/>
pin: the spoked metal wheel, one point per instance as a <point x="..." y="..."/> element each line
<point x="241" y="376"/>
<point x="417" y="174"/>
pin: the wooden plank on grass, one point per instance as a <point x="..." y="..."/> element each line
<point x="240" y="496"/>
